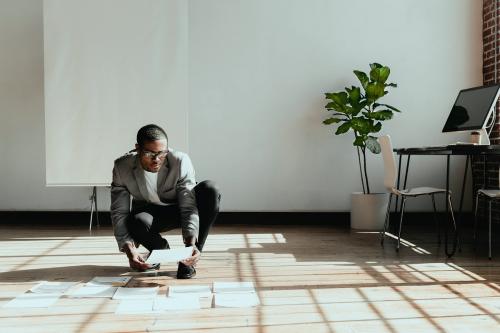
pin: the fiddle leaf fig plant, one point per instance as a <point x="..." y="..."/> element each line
<point x="357" y="109"/>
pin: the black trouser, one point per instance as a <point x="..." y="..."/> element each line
<point x="146" y="222"/>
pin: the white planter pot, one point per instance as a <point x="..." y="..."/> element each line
<point x="368" y="210"/>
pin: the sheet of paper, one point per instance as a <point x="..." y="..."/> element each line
<point x="185" y="302"/>
<point x="236" y="300"/>
<point x="32" y="300"/>
<point x="171" y="255"/>
<point x="115" y="281"/>
<point x="136" y="306"/>
<point x="93" y="291"/>
<point x="234" y="287"/>
<point x="136" y="293"/>
<point x="197" y="290"/>
<point x="48" y="287"/>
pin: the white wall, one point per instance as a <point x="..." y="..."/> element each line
<point x="258" y="70"/>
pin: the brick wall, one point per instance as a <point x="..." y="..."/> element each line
<point x="491" y="68"/>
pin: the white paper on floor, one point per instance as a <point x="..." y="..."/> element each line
<point x="170" y="255"/>
<point x="115" y="281"/>
<point x="236" y="300"/>
<point x="197" y="290"/>
<point x="234" y="287"/>
<point x="136" y="293"/>
<point x="93" y="291"/>
<point x="184" y="302"/>
<point x="136" y="306"/>
<point x="33" y="300"/>
<point x="48" y="287"/>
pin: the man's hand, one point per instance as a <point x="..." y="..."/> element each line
<point x="191" y="261"/>
<point x="135" y="259"/>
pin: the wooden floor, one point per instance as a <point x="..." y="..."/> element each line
<point x="309" y="279"/>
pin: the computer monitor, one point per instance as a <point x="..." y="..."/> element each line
<point x="472" y="109"/>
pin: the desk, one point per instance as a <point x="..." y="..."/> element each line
<point x="458" y="150"/>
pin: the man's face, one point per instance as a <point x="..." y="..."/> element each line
<point x="152" y="154"/>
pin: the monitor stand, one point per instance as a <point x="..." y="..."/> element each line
<point x="484" y="138"/>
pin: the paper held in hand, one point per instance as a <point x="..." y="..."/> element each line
<point x="171" y="255"/>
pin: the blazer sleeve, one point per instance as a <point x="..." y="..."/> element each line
<point x="120" y="209"/>
<point x="190" y="221"/>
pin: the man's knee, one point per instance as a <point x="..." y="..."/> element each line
<point x="208" y="190"/>
<point x="140" y="220"/>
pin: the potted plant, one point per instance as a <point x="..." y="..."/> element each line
<point x="357" y="110"/>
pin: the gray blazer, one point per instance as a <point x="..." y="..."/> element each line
<point x="176" y="180"/>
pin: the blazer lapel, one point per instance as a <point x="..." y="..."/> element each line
<point x="162" y="174"/>
<point x="139" y="178"/>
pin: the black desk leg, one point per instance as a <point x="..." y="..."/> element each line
<point x="400" y="209"/>
<point x="460" y="208"/>
<point x="406" y="172"/>
<point x="447" y="211"/>
<point x="396" y="207"/>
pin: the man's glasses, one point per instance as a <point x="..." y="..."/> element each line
<point x="152" y="155"/>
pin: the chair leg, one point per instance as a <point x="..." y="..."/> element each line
<point x="386" y="222"/>
<point x="436" y="220"/>
<point x="475" y="221"/>
<point x="489" y="231"/>
<point x="401" y="222"/>
<point x="453" y="217"/>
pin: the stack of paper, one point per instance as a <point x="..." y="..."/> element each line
<point x="165" y="256"/>
<point x="185" y="302"/>
<point x="136" y="300"/>
<point x="190" y="290"/>
<point x="33" y="300"/>
<point x="47" y="287"/>
<point x="101" y="286"/>
<point x="93" y="291"/>
<point x="42" y="295"/>
<point x="235" y="294"/>
<point x="136" y="293"/>
<point x="234" y="287"/>
<point x="114" y="281"/>
<point x="136" y="306"/>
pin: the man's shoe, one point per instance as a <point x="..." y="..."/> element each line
<point x="185" y="272"/>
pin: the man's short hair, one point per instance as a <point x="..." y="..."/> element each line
<point x="149" y="133"/>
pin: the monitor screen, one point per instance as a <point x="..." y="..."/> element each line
<point x="471" y="109"/>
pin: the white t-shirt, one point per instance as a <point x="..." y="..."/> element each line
<point x="151" y="185"/>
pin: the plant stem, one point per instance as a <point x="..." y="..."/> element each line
<point x="361" y="171"/>
<point x="364" y="167"/>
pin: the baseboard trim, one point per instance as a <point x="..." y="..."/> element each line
<point x="338" y="219"/>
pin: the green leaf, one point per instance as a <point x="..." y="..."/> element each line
<point x="361" y="125"/>
<point x="330" y="121"/>
<point x="343" y="128"/>
<point x="335" y="106"/>
<point x="381" y="115"/>
<point x="374" y="91"/>
<point x="373" y="145"/>
<point x="380" y="74"/>
<point x="340" y="98"/>
<point x="354" y="95"/>
<point x="339" y="101"/>
<point x="362" y="77"/>
<point x="377" y="127"/>
<point x="375" y="105"/>
<point x="359" y="141"/>
<point x="375" y="65"/>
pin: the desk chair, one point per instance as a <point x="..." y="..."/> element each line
<point x="489" y="195"/>
<point x="390" y="175"/>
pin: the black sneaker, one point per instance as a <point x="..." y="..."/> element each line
<point x="185" y="272"/>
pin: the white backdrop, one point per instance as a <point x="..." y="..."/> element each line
<point x="257" y="73"/>
<point x="111" y="66"/>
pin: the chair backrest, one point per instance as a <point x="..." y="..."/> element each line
<point x="390" y="172"/>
